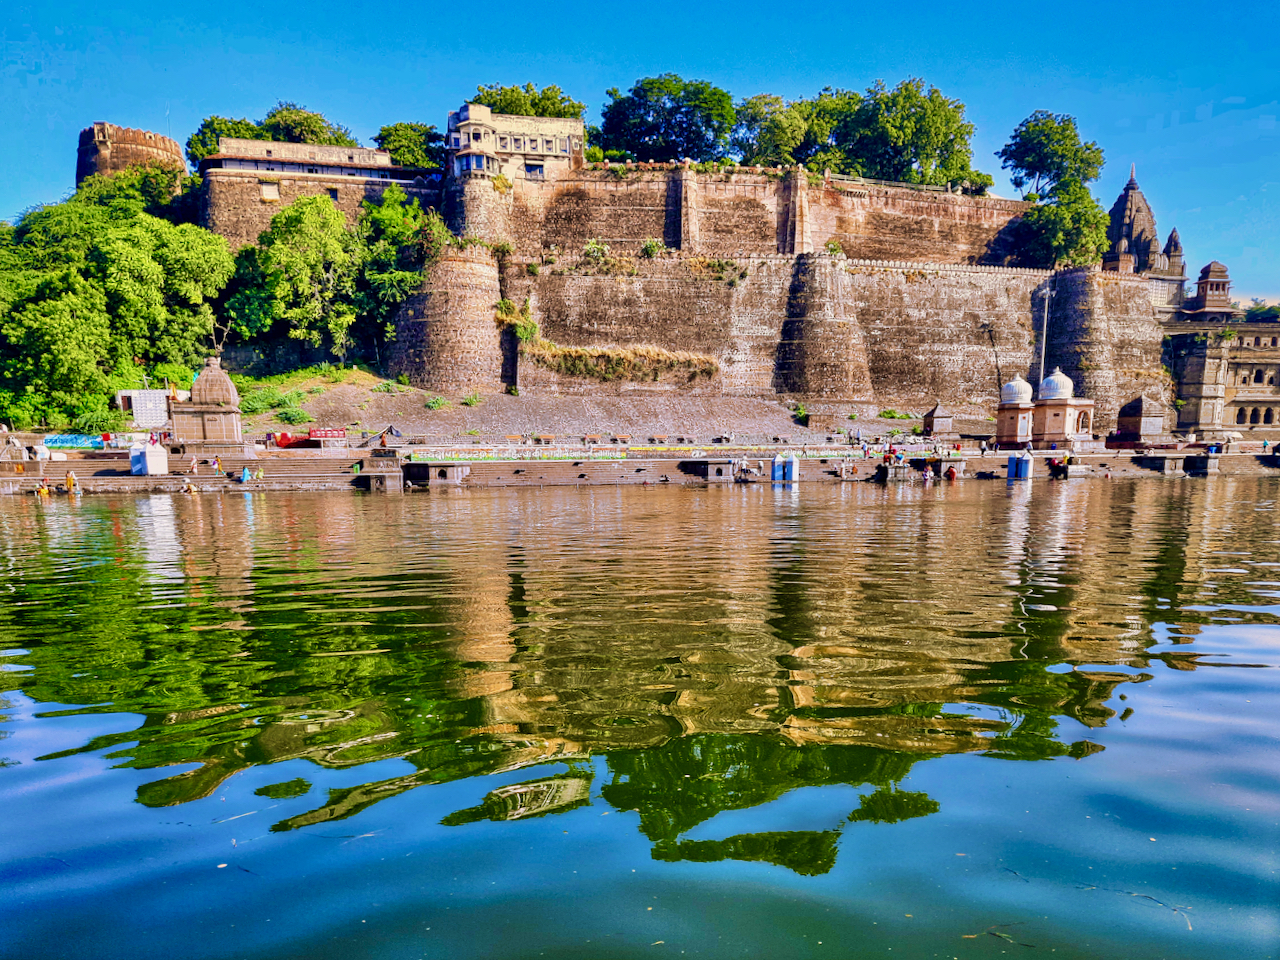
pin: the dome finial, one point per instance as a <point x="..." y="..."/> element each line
<point x="1057" y="386"/>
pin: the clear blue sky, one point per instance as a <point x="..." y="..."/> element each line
<point x="1187" y="91"/>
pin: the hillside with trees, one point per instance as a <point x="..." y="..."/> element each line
<point x="116" y="285"/>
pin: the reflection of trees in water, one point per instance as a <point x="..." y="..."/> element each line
<point x="806" y="642"/>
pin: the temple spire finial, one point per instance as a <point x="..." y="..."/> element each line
<point x="1133" y="173"/>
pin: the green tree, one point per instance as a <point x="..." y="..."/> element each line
<point x="302" y="276"/>
<point x="816" y="132"/>
<point x="159" y="280"/>
<point x="1068" y="229"/>
<point x="412" y="144"/>
<point x="289" y="122"/>
<point x="668" y="118"/>
<point x="53" y="345"/>
<point x="914" y="136"/>
<point x="1260" y="310"/>
<point x="529" y="101"/>
<point x="286" y="122"/>
<point x="394" y="233"/>
<point x="204" y="142"/>
<point x="1045" y="150"/>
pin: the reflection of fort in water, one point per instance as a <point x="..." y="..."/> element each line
<point x="832" y="636"/>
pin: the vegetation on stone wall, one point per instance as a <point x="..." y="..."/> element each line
<point x="412" y="144"/>
<point x="1069" y="228"/>
<point x="606" y="364"/>
<point x="286" y="122"/>
<point x="312" y="278"/>
<point x="529" y="101"/>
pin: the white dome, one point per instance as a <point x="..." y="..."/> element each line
<point x="1016" y="390"/>
<point x="1057" y="386"/>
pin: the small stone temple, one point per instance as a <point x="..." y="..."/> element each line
<point x="1055" y="417"/>
<point x="939" y="423"/>
<point x="212" y="415"/>
<point x="1013" y="418"/>
<point x="1060" y="416"/>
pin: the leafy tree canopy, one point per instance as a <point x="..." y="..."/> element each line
<point x="302" y="275"/>
<point x="528" y="101"/>
<point x="1259" y="309"/>
<point x="907" y="134"/>
<point x="1045" y="150"/>
<point x="286" y="122"/>
<point x="96" y="287"/>
<point x="668" y="118"/>
<point x="412" y="144"/>
<point x="814" y="132"/>
<point x="914" y="136"/>
<point x="1068" y="229"/>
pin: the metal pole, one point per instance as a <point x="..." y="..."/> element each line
<point x="1044" y="333"/>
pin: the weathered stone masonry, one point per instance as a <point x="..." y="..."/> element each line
<point x="106" y="148"/>
<point x="917" y="307"/>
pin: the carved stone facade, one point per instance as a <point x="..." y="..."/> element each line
<point x="483" y="143"/>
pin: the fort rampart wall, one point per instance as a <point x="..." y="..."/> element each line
<point x="1106" y="337"/>
<point x="868" y="333"/>
<point x="106" y="148"/>
<point x="736" y="214"/>
<point x="447" y="338"/>
<point x="239" y="204"/>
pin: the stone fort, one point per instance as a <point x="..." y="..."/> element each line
<point x="846" y="294"/>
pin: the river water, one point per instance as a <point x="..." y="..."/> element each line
<point x="834" y="721"/>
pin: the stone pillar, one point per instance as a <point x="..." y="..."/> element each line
<point x="446" y="337"/>
<point x="1202" y="387"/>
<point x="797" y="236"/>
<point x="690" y="208"/>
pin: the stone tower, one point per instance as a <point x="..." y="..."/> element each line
<point x="446" y="336"/>
<point x="106" y="148"/>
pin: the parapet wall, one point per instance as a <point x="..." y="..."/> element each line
<point x="734" y="214"/>
<point x="106" y="148"/>
<point x="239" y="204"/>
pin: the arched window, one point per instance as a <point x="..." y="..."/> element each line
<point x="1267" y="416"/>
<point x="1257" y="341"/>
<point x="1274" y="341"/>
<point x="1257" y="376"/>
<point x="1271" y="381"/>
<point x="1240" y="415"/>
<point x="1244" y="377"/>
<point x="1255" y="416"/>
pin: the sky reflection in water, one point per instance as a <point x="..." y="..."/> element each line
<point x="782" y="723"/>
